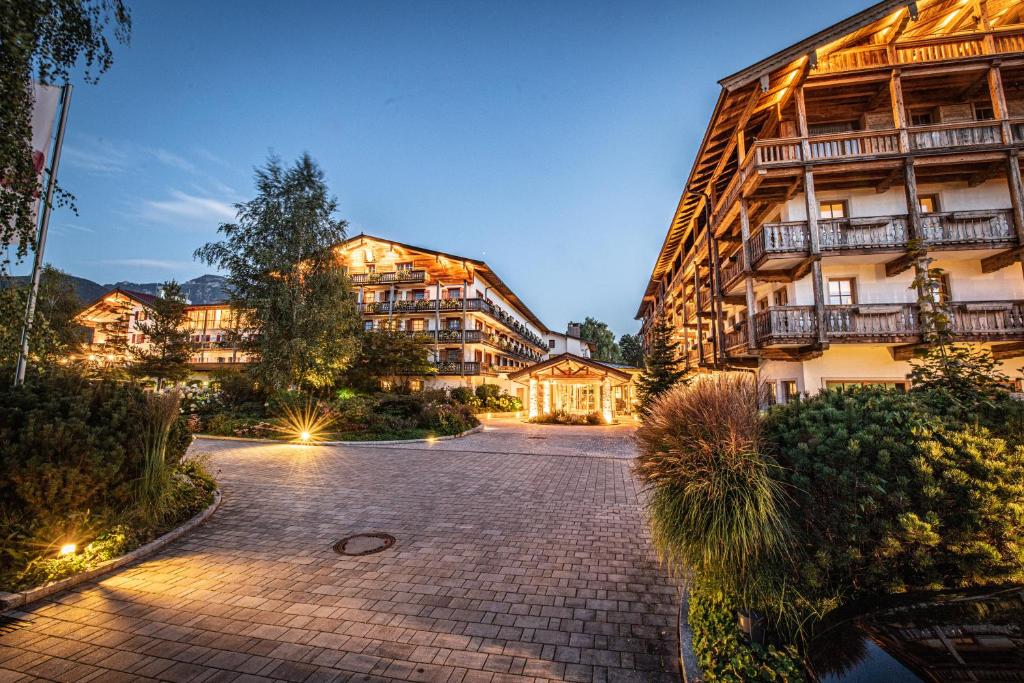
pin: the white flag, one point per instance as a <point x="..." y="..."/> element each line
<point x="45" y="99"/>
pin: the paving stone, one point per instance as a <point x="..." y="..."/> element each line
<point x="517" y="558"/>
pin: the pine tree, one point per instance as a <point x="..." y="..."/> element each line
<point x="113" y="347"/>
<point x="165" y="354"/>
<point x="662" y="368"/>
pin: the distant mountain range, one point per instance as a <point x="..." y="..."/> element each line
<point x="205" y="289"/>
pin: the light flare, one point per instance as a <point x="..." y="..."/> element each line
<point x="306" y="423"/>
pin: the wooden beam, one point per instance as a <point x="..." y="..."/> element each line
<point x="1004" y="351"/>
<point x="898" y="265"/>
<point x="984" y="175"/>
<point x="1001" y="260"/>
<point x="890" y="180"/>
<point x="905" y="352"/>
<point x="798" y="354"/>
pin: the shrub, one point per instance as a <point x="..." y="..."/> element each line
<point x="488" y="392"/>
<point x="465" y="396"/>
<point x="723" y="651"/>
<point x="448" y="420"/>
<point x="886" y="498"/>
<point x="237" y="388"/>
<point x="716" y="506"/>
<point x="561" y="417"/>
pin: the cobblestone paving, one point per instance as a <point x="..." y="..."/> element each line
<point x="517" y="559"/>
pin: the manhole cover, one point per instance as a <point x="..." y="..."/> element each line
<point x="364" y="544"/>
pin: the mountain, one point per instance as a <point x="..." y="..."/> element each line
<point x="205" y="289"/>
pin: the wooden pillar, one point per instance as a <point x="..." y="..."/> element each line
<point x="817" y="282"/>
<point x="913" y="202"/>
<point x="437" y="324"/>
<point x="899" y="110"/>
<point x="801" y="123"/>
<point x="700" y="315"/>
<point x="748" y="268"/>
<point x="1013" y="178"/>
<point x="465" y="294"/>
<point x="998" y="95"/>
<point x="715" y="280"/>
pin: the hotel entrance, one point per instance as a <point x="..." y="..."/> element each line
<point x="579" y="386"/>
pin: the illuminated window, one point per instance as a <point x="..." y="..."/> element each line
<point x="789" y="392"/>
<point x="832" y="209"/>
<point x="928" y="203"/>
<point x="901" y="385"/>
<point x="403" y="266"/>
<point x="841" y="292"/>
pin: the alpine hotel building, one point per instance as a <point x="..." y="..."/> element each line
<point x="822" y="168"/>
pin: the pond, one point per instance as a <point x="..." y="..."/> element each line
<point x="958" y="636"/>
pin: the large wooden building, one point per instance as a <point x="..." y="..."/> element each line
<point x="830" y="174"/>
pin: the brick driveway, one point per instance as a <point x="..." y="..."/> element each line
<point x="517" y="558"/>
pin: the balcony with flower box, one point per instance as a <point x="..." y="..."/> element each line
<point x="389" y="278"/>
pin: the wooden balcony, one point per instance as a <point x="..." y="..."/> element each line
<point x="393" y="277"/>
<point x="451" y="367"/>
<point x="866" y="145"/>
<point x="945" y="48"/>
<point x="454" y="306"/>
<point x="775" y="246"/>
<point x="781" y="326"/>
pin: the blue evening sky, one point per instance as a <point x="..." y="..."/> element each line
<point x="551" y="139"/>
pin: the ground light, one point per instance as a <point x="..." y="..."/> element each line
<point x="305" y="424"/>
<point x="67" y="549"/>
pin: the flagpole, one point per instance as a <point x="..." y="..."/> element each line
<point x="44" y="224"/>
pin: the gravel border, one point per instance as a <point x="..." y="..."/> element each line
<point x="474" y="430"/>
<point x="9" y="601"/>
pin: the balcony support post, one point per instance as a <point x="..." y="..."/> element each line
<point x="700" y="316"/>
<point x="391" y="303"/>
<point x="998" y="96"/>
<point x="811" y="202"/>
<point x="751" y="333"/>
<point x="801" y="122"/>
<point x="715" y="280"/>
<point x="899" y="110"/>
<point x="748" y="268"/>
<point x="465" y="299"/>
<point x="1016" y="196"/>
<point x="437" y="323"/>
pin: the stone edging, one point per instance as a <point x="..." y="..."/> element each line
<point x="9" y="601"/>
<point x="474" y="430"/>
<point x="687" y="659"/>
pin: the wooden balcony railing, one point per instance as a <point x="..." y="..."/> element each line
<point x="393" y="277"/>
<point x="968" y="227"/>
<point x="887" y="323"/>
<point x="953" y="135"/>
<point x="864" y="144"/>
<point x="732" y="271"/>
<point x="454" y="367"/>
<point x="963" y="46"/>
<point x="991" y="227"/>
<point x="735" y="339"/>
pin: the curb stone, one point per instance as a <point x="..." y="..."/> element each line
<point x="687" y="659"/>
<point x="9" y="601"/>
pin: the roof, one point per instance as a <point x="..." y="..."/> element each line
<point x="749" y="96"/>
<point x="571" y="358"/>
<point x="480" y="266"/>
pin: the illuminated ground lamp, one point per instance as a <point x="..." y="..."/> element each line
<point x="67" y="549"/>
<point x="304" y="424"/>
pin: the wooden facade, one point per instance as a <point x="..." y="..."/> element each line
<point x="900" y="97"/>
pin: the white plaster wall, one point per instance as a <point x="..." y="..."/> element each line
<point x="993" y="194"/>
<point x="968" y="283"/>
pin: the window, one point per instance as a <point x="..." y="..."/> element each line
<point x="928" y="203"/>
<point x="418" y="325"/>
<point x="416" y="385"/>
<point x="368" y="297"/>
<point x="403" y="266"/>
<point x="551" y="343"/>
<point x="140" y="315"/>
<point x="781" y="297"/>
<point x="762" y="304"/>
<point x="371" y="268"/>
<point x="419" y="294"/>
<point x="454" y="324"/>
<point x="984" y="112"/>
<point x="829" y="127"/>
<point x="833" y="209"/>
<point x="454" y="292"/>
<point x="922" y="117"/>
<point x="368" y="325"/>
<point x="850" y="384"/>
<point x="452" y="355"/>
<point x="841" y="292"/>
<point x="789" y="390"/>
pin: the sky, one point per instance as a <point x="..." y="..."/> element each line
<point x="551" y="139"/>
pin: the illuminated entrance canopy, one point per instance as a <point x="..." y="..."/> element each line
<point x="576" y="385"/>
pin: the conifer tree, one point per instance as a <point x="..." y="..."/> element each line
<point x="662" y="368"/>
<point x="164" y="355"/>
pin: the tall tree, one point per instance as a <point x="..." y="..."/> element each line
<point x="43" y="40"/>
<point x="601" y="338"/>
<point x="662" y="368"/>
<point x="55" y="334"/>
<point x="632" y="350"/>
<point x="114" y="347"/>
<point x="285" y="278"/>
<point x="164" y="355"/>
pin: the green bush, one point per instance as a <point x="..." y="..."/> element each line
<point x="561" y="417"/>
<point x="887" y="497"/>
<point x="465" y="396"/>
<point x="488" y="392"/>
<point x="72" y="458"/>
<point x="723" y="650"/>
